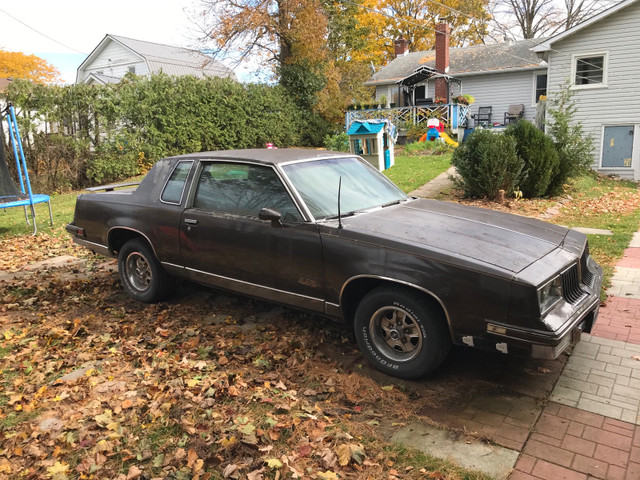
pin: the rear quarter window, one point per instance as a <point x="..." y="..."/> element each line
<point x="174" y="188"/>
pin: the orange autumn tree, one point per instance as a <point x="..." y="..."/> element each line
<point x="415" y="20"/>
<point x="27" y="67"/>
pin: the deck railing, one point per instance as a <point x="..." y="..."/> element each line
<point x="453" y="115"/>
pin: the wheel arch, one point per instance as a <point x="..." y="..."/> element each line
<point x="355" y="288"/>
<point x="118" y="236"/>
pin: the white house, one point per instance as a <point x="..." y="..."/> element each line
<point x="600" y="60"/>
<point x="116" y="56"/>
<point x="496" y="75"/>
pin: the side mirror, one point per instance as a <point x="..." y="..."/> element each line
<point x="272" y="215"/>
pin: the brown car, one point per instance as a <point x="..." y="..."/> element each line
<point x="326" y="232"/>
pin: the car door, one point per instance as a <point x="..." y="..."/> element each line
<point x="223" y="242"/>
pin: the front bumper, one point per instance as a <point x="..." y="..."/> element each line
<point x="572" y="321"/>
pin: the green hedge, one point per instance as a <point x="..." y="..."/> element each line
<point x="100" y="133"/>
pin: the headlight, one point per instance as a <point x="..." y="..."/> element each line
<point x="549" y="294"/>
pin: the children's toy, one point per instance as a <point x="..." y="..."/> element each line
<point x="436" y="131"/>
<point x="374" y="141"/>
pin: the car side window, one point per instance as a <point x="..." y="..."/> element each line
<point x="243" y="189"/>
<point x="174" y="188"/>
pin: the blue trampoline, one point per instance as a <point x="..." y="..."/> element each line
<point x="10" y="195"/>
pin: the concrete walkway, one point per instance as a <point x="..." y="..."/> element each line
<point x="591" y="426"/>
<point x="585" y="425"/>
<point x="439" y="184"/>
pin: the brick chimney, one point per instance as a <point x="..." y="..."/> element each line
<point x="442" y="58"/>
<point x="402" y="47"/>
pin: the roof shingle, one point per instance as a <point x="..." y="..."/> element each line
<point x="476" y="59"/>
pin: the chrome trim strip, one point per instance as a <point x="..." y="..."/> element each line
<point x="96" y="247"/>
<point x="183" y="186"/>
<point x="133" y="230"/>
<point x="412" y="285"/>
<point x="173" y="265"/>
<point x="255" y="285"/>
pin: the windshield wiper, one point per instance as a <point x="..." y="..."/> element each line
<point x="388" y="204"/>
<point x="342" y="215"/>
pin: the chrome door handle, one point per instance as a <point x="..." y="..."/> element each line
<point x="190" y="221"/>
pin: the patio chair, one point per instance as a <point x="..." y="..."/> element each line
<point x="483" y="117"/>
<point x="514" y="114"/>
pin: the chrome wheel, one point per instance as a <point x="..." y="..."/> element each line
<point x="139" y="272"/>
<point x="396" y="333"/>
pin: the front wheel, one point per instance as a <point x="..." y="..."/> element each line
<point x="401" y="332"/>
<point x="141" y="274"/>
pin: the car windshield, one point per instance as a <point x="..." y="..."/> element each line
<point x="363" y="187"/>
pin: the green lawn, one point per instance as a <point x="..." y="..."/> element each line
<point x="412" y="171"/>
<point x="603" y="203"/>
<point x="12" y="222"/>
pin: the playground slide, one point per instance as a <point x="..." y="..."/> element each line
<point x="423" y="138"/>
<point x="448" y="139"/>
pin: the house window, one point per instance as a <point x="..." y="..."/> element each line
<point x="356" y="144"/>
<point x="540" y="86"/>
<point x="590" y="70"/>
<point x="132" y="69"/>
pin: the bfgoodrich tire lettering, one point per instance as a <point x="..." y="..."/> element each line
<point x="401" y="332"/>
<point x="141" y="274"/>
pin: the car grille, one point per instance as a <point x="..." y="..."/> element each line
<point x="587" y="276"/>
<point x="571" y="285"/>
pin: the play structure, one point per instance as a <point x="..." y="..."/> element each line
<point x="374" y="141"/>
<point x="10" y="195"/>
<point x="436" y="131"/>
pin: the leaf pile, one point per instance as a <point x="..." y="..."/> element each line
<point x="25" y="250"/>
<point x="95" y="385"/>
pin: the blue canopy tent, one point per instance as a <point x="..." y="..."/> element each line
<point x="10" y="195"/>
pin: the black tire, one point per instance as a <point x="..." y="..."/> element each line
<point x="401" y="332"/>
<point x="141" y="274"/>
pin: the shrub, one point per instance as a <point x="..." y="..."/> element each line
<point x="574" y="147"/>
<point x="539" y="155"/>
<point x="487" y="163"/>
<point x="338" y="142"/>
<point x="58" y="163"/>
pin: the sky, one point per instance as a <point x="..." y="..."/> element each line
<point x="70" y="29"/>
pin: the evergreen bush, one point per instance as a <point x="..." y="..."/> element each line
<point x="574" y="147"/>
<point x="487" y="163"/>
<point x="539" y="156"/>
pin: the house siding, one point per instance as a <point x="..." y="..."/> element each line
<point x="617" y="103"/>
<point x="497" y="90"/>
<point x="114" y="60"/>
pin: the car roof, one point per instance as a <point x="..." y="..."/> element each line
<point x="269" y="156"/>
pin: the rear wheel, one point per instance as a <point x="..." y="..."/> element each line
<point x="141" y="274"/>
<point x="401" y="332"/>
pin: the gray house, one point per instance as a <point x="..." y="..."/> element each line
<point x="600" y="60"/>
<point x="497" y="75"/>
<point x="116" y="56"/>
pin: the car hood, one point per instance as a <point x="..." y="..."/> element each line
<point x="451" y="231"/>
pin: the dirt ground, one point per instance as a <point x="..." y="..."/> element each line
<point x="213" y="385"/>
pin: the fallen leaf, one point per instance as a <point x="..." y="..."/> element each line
<point x="256" y="474"/>
<point x="273" y="463"/>
<point x="134" y="472"/>
<point x="328" y="475"/>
